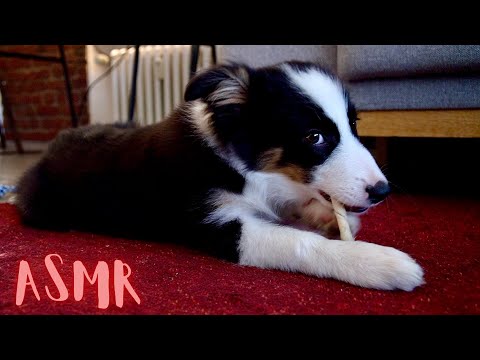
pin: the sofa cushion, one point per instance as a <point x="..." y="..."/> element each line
<point x="358" y="62"/>
<point x="263" y="55"/>
<point x="461" y="92"/>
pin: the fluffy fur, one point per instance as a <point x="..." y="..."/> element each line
<point x="243" y="169"/>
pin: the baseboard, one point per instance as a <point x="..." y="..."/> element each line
<point x="28" y="145"/>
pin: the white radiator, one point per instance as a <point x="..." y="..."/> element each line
<point x="163" y="74"/>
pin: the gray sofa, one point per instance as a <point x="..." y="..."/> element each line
<point x="401" y="90"/>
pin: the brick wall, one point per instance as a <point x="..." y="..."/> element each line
<point x="36" y="89"/>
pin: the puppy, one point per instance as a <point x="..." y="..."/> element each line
<point x="244" y="169"/>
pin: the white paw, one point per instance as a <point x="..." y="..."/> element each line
<point x="379" y="267"/>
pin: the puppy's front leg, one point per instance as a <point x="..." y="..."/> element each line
<point x="322" y="218"/>
<point x="268" y="245"/>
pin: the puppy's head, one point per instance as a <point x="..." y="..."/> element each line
<point x="295" y="119"/>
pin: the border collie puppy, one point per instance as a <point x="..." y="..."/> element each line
<point x="244" y="169"/>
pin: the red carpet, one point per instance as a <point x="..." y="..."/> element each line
<point x="442" y="234"/>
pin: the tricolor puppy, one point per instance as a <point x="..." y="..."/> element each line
<point x="244" y="169"/>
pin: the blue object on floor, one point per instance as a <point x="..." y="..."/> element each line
<point x="4" y="189"/>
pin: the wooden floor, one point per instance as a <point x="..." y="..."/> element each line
<point x="13" y="165"/>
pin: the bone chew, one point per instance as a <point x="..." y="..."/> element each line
<point x="341" y="215"/>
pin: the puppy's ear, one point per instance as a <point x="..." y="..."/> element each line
<point x="225" y="90"/>
<point x="220" y="86"/>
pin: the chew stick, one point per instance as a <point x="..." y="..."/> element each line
<point x="341" y="215"/>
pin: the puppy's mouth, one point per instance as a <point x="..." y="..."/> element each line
<point x="354" y="209"/>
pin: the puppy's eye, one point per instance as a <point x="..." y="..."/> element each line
<point x="315" y="138"/>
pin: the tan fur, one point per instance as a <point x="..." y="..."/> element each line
<point x="202" y="119"/>
<point x="232" y="90"/>
<point x="269" y="162"/>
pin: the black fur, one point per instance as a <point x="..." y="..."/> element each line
<point x="150" y="182"/>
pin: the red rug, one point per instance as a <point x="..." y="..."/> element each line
<point x="442" y="234"/>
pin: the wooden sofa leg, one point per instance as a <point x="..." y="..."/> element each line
<point x="381" y="151"/>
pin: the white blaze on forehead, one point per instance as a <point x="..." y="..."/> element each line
<point x="325" y="91"/>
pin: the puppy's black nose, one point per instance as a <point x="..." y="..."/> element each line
<point x="378" y="192"/>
